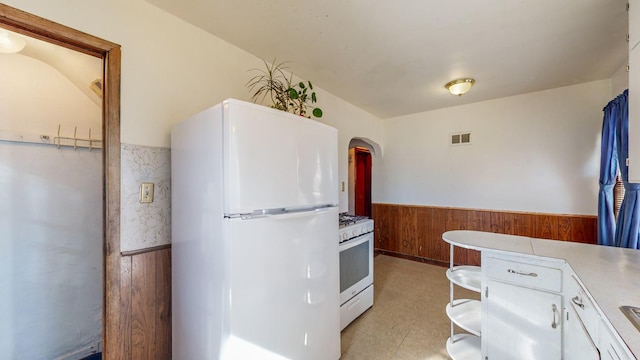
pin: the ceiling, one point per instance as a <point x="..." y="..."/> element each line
<point x="393" y="58"/>
<point x="79" y="68"/>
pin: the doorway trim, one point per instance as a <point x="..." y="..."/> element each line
<point x="46" y="30"/>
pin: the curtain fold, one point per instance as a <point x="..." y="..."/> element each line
<point x="628" y="225"/>
<point x="608" y="172"/>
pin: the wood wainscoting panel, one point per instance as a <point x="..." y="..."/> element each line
<point x="407" y="243"/>
<point x="143" y="305"/>
<point x="163" y="305"/>
<point x="124" y="333"/>
<point x="145" y="299"/>
<point x="416" y="231"/>
<point x="388" y="235"/>
<point x="546" y="226"/>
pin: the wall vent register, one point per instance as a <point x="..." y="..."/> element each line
<point x="460" y="138"/>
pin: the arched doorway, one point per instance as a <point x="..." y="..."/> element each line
<point x="361" y="152"/>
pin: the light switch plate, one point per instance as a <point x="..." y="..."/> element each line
<point x="146" y="192"/>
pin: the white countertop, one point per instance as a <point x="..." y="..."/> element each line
<point x="610" y="274"/>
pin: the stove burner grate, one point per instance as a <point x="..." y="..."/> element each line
<point x="348" y="219"/>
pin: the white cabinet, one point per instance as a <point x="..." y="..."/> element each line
<point x="581" y="322"/>
<point x="465" y="313"/>
<point x="578" y="343"/>
<point x="587" y="335"/>
<point x="521" y="323"/>
<point x="521" y="309"/>
<point x="610" y="347"/>
<point x="536" y="306"/>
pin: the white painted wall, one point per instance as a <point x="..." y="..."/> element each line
<point x="172" y="70"/>
<point x="536" y="152"/>
<point x="351" y="122"/>
<point x="50" y="218"/>
<point x="619" y="81"/>
<point x="27" y="108"/>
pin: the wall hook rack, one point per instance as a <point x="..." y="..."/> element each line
<point x="75" y="140"/>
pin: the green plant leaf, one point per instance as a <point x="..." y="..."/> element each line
<point x="272" y="83"/>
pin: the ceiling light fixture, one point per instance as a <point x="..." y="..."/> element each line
<point x="460" y="86"/>
<point x="11" y="43"/>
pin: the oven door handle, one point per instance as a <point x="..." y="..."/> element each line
<point x="355" y="241"/>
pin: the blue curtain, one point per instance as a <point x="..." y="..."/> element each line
<point x="628" y="224"/>
<point x="608" y="171"/>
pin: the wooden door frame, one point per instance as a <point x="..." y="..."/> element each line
<point x="46" y="30"/>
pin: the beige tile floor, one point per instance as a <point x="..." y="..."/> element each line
<point x="408" y="319"/>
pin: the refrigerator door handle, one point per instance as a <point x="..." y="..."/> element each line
<point x="279" y="211"/>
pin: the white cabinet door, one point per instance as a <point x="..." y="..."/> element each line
<point x="610" y="348"/>
<point x="520" y="323"/>
<point x="578" y="344"/>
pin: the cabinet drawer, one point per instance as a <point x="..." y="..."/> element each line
<point x="584" y="308"/>
<point x="528" y="275"/>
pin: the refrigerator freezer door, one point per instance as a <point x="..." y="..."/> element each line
<point x="274" y="159"/>
<point x="284" y="287"/>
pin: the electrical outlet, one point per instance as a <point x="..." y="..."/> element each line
<point x="146" y="192"/>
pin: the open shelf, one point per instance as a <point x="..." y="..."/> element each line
<point x="464" y="346"/>
<point x="468" y="277"/>
<point x="466" y="314"/>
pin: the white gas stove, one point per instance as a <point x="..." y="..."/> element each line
<point x="355" y="237"/>
<point x="352" y="226"/>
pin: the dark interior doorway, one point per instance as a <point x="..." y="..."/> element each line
<point x="362" y="163"/>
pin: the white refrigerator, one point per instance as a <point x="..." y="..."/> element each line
<point x="254" y="236"/>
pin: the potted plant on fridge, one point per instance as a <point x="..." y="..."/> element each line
<point x="273" y="84"/>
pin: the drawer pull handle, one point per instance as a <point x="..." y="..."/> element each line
<point x="576" y="300"/>
<point x="522" y="273"/>
<point x="554" y="309"/>
<point x="351" y="306"/>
